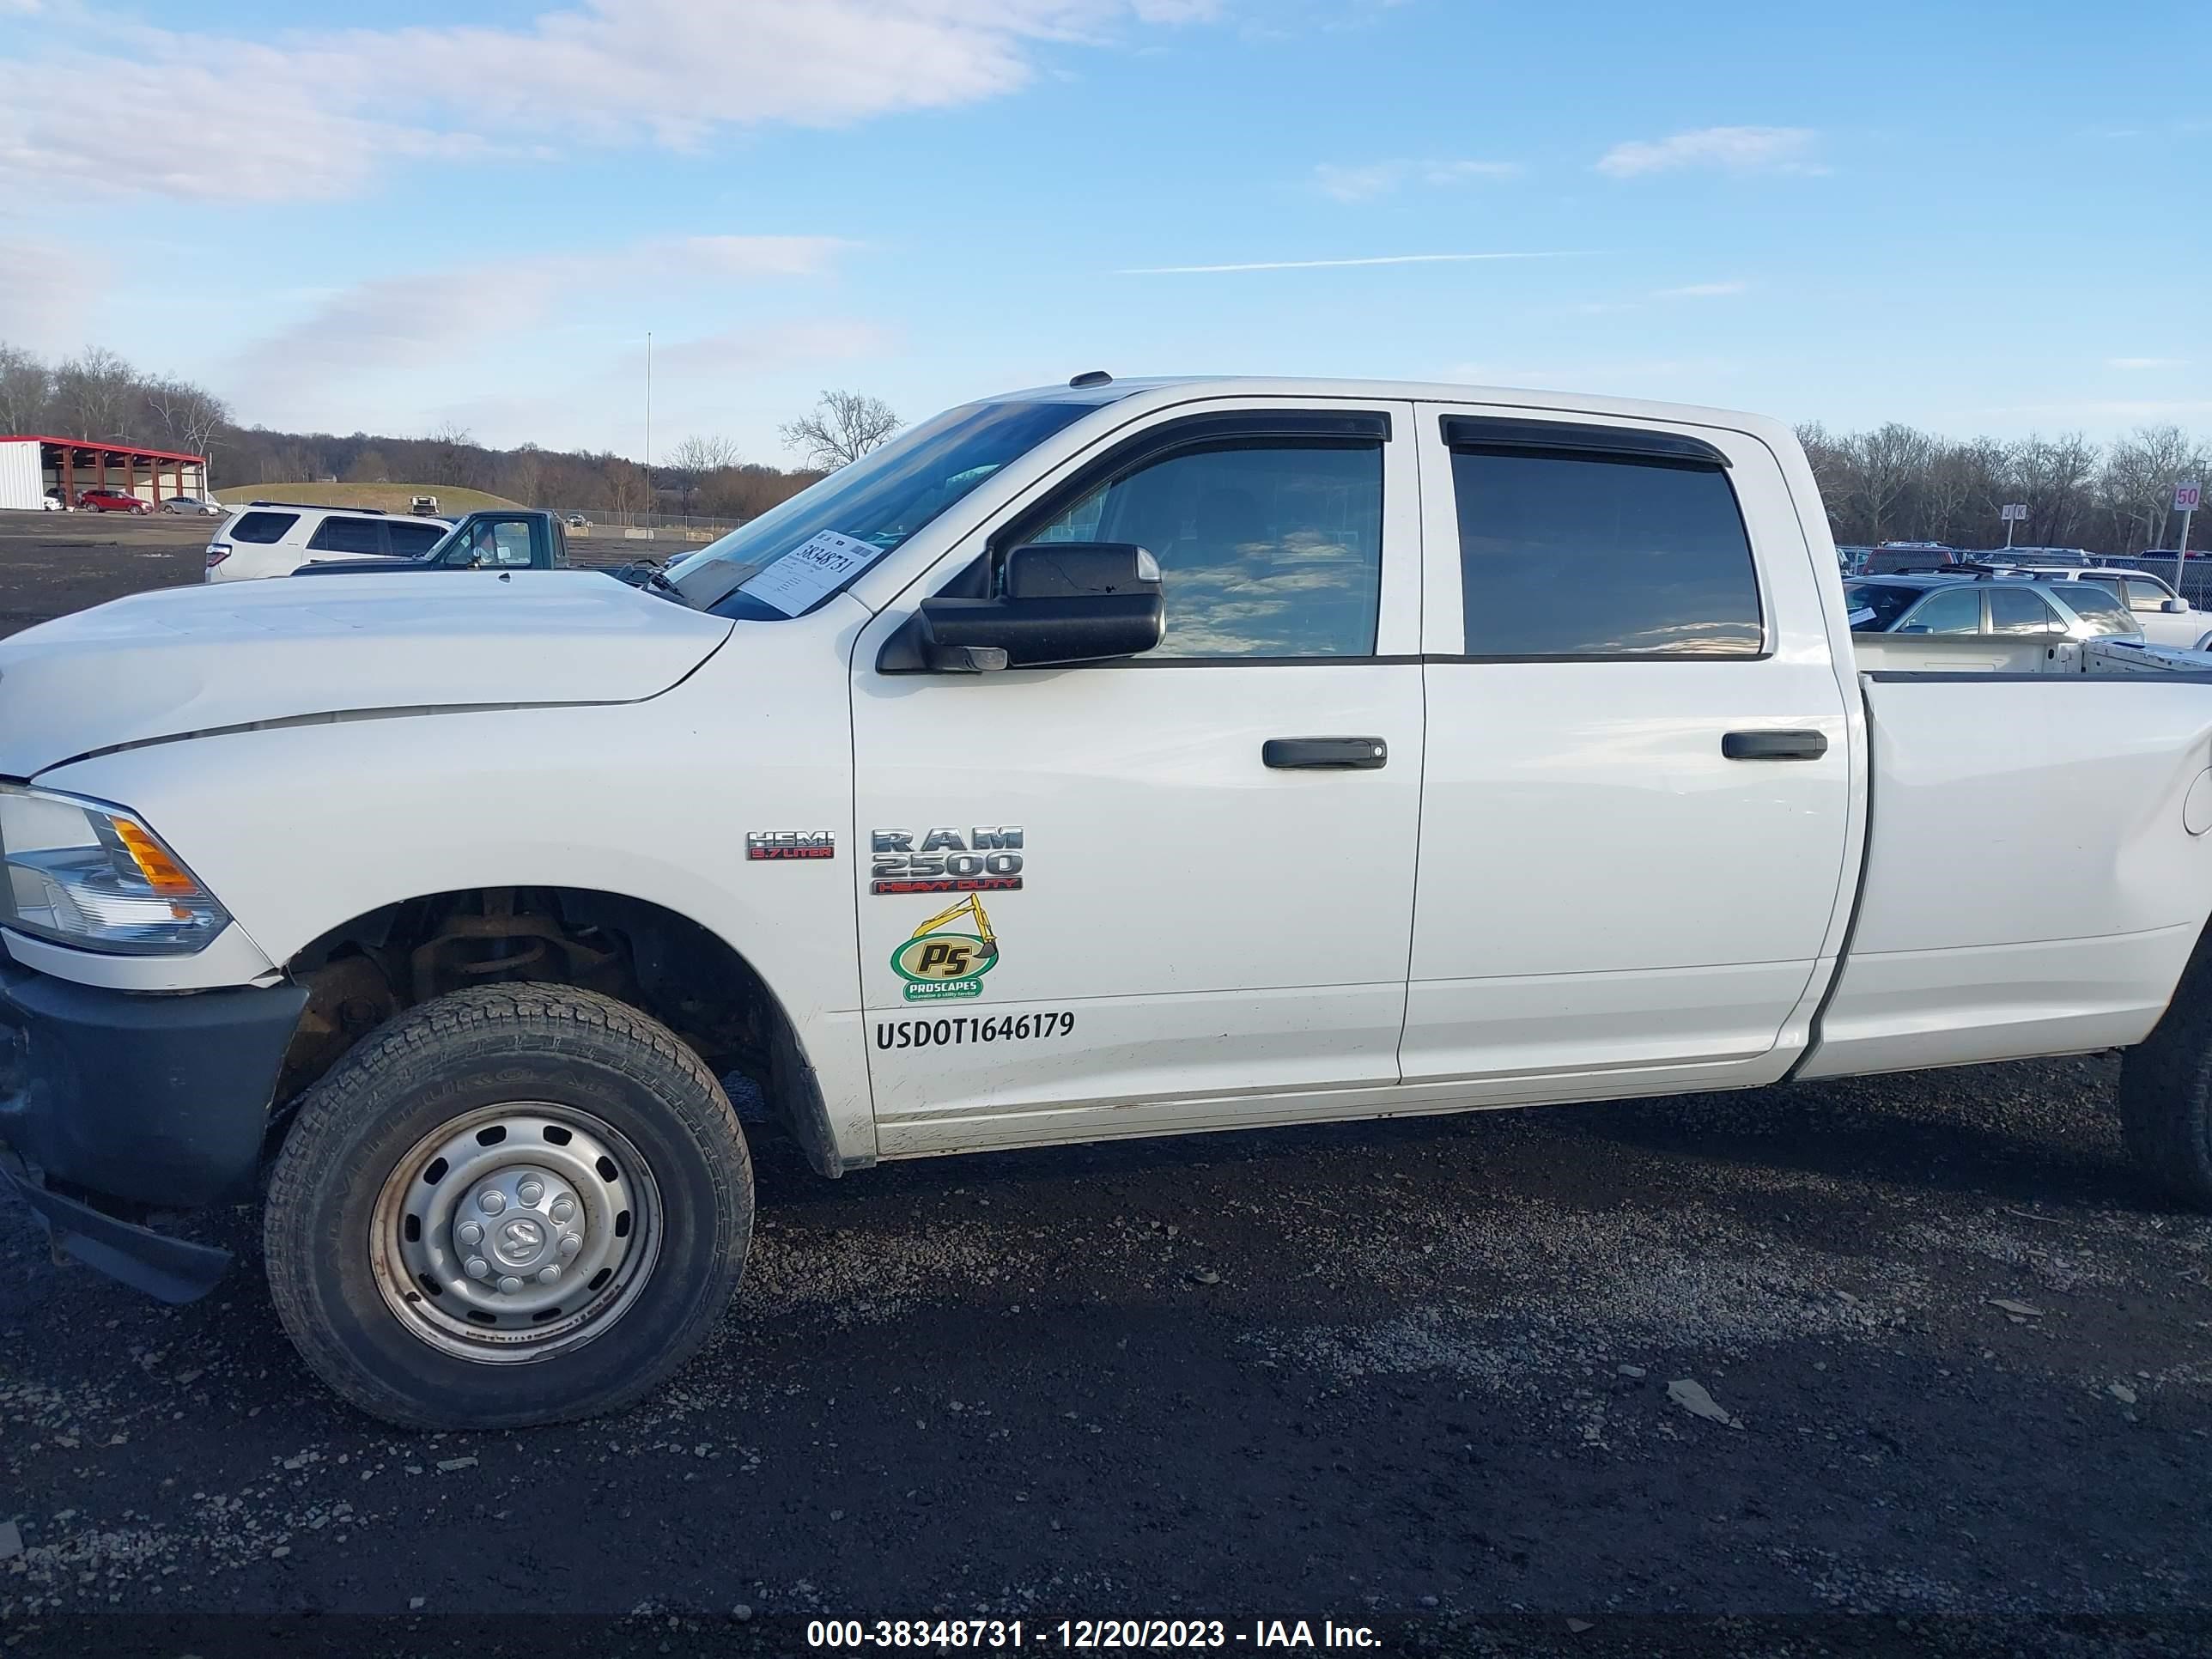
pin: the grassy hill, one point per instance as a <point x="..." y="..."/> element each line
<point x="393" y="498"/>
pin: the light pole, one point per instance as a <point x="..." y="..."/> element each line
<point x="649" y="426"/>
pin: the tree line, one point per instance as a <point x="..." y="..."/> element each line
<point x="97" y="394"/>
<point x="1898" y="484"/>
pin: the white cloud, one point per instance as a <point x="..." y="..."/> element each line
<point x="1362" y="182"/>
<point x="48" y="291"/>
<point x="161" y="112"/>
<point x="794" y="344"/>
<point x="1335" y="264"/>
<point x="430" y="319"/>
<point x="2146" y="362"/>
<point x="1700" y="291"/>
<point x="1732" y="149"/>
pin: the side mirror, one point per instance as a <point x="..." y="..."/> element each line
<point x="2175" y="607"/>
<point x="1065" y="602"/>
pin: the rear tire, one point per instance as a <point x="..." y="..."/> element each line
<point x="513" y="1205"/>
<point x="2165" y="1089"/>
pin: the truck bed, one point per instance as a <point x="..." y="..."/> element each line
<point x="2035" y="879"/>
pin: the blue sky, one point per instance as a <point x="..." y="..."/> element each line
<point x="1973" y="218"/>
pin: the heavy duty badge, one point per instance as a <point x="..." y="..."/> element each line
<point x="779" y="844"/>
<point x="986" y="859"/>
<point x="937" y="965"/>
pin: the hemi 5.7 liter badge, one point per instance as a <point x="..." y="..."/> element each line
<point x="986" y="860"/>
<point x="778" y="844"/>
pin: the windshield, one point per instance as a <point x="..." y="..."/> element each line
<point x="1874" y="607"/>
<point x="793" y="557"/>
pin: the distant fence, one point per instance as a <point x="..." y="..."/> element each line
<point x="686" y="529"/>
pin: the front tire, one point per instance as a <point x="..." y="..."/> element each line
<point x="514" y="1205"/>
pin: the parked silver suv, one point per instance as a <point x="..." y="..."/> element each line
<point x="1987" y="602"/>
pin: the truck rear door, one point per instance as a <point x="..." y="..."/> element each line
<point x="1638" y="801"/>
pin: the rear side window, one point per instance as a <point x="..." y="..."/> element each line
<point x="262" y="526"/>
<point x="413" y="540"/>
<point x="1573" y="556"/>
<point x="2100" y="613"/>
<point x="336" y="535"/>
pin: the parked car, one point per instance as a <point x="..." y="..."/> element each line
<point x="54" y="501"/>
<point x="436" y="922"/>
<point x="494" y="539"/>
<point x="577" y="521"/>
<point x="1968" y="601"/>
<point x="111" y="500"/>
<point x="1887" y="557"/>
<point x="204" y="507"/>
<point x="2163" y="615"/>
<point x="422" y="506"/>
<point x="2045" y="558"/>
<point x="274" y="539"/>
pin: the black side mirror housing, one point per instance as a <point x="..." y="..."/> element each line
<point x="1063" y="602"/>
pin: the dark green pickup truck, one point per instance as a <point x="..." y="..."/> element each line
<point x="492" y="539"/>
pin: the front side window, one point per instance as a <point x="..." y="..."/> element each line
<point x="1573" y="556"/>
<point x="1268" y="547"/>
<point x="1952" y="610"/>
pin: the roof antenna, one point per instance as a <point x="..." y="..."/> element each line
<point x="1096" y="377"/>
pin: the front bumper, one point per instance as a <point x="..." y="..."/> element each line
<point x="118" y="1102"/>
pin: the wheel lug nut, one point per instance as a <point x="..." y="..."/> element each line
<point x="472" y="1233"/>
<point x="529" y="1191"/>
<point x="491" y="1200"/>
<point x="564" y="1210"/>
<point x="510" y="1285"/>
<point x="547" y="1274"/>
<point x="570" y="1243"/>
<point x="478" y="1267"/>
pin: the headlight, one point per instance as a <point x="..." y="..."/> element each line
<point x="86" y="873"/>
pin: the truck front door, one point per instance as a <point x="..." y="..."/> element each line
<point x="1638" y="798"/>
<point x="1093" y="899"/>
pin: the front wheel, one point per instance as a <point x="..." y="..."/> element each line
<point x="514" y="1205"/>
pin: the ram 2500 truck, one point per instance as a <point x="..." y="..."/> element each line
<point x="1115" y="759"/>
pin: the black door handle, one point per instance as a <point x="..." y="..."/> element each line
<point x="1325" y="754"/>
<point x="1774" y="745"/>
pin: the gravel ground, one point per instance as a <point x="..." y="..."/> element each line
<point x="1922" y="1347"/>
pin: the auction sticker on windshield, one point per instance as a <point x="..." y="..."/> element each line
<point x="811" y="569"/>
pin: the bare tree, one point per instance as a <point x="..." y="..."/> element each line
<point x="97" y="394"/>
<point x="25" y="385"/>
<point x="369" y="466"/>
<point x="190" y="417"/>
<point x="453" y="454"/>
<point x="1884" y="467"/>
<point x="2053" y="476"/>
<point x="692" y="462"/>
<point x="841" y="427"/>
<point x="2134" y="491"/>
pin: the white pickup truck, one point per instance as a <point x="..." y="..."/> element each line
<point x="1115" y="759"/>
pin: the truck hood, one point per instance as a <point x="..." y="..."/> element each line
<point x="199" y="659"/>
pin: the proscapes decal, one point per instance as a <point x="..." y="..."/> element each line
<point x="777" y="845"/>
<point x="986" y="859"/>
<point x="938" y="966"/>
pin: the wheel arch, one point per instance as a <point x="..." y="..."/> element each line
<point x="701" y="985"/>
